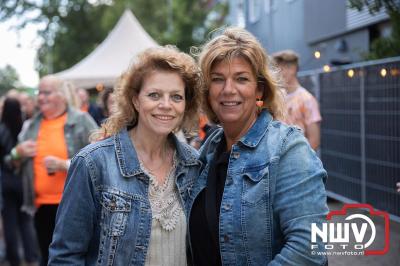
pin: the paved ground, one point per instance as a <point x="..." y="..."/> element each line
<point x="392" y="258"/>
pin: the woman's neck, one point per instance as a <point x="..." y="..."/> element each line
<point x="154" y="153"/>
<point x="154" y="147"/>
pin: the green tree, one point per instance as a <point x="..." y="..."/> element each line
<point x="75" y="31"/>
<point x="73" y="28"/>
<point x="383" y="47"/>
<point x="9" y="79"/>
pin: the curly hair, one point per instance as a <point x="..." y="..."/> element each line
<point x="167" y="58"/>
<point x="236" y="42"/>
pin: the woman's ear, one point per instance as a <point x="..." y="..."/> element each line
<point x="260" y="88"/>
<point x="135" y="101"/>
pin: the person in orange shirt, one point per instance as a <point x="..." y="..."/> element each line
<point x="54" y="135"/>
<point x="302" y="107"/>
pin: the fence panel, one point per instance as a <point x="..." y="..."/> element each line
<point x="382" y="135"/>
<point x="360" y="131"/>
<point x="340" y="133"/>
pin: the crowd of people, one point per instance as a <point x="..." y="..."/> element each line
<point x="118" y="184"/>
<point x="33" y="168"/>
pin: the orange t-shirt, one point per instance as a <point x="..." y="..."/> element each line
<point x="50" y="141"/>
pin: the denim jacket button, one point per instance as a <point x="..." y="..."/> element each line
<point x="236" y="155"/>
<point x="227" y="207"/>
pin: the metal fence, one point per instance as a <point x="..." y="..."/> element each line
<point x="360" y="131"/>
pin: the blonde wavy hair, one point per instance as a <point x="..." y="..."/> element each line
<point x="236" y="42"/>
<point x="167" y="58"/>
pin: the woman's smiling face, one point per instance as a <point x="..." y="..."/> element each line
<point x="161" y="102"/>
<point x="233" y="92"/>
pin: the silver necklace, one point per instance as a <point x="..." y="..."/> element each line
<point x="153" y="169"/>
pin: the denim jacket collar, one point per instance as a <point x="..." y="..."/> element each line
<point x="258" y="130"/>
<point x="251" y="139"/>
<point x="253" y="136"/>
<point x="128" y="160"/>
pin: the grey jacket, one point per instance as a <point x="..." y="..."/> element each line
<point x="76" y="132"/>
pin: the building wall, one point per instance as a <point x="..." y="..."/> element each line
<point x="322" y="19"/>
<point x="305" y="26"/>
<point x="357" y="43"/>
<point x="279" y="26"/>
<point x="236" y="14"/>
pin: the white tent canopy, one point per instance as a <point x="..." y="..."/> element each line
<point x="112" y="57"/>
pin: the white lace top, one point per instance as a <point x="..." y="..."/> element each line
<point x="168" y="227"/>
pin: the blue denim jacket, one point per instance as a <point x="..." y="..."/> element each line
<point x="105" y="215"/>
<point x="274" y="190"/>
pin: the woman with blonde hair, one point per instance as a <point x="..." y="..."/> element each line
<point x="261" y="186"/>
<point x="124" y="200"/>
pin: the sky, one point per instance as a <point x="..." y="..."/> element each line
<point x="19" y="50"/>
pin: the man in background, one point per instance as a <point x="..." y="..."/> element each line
<point x="302" y="107"/>
<point x="54" y="135"/>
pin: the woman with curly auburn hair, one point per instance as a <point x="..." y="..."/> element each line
<point x="130" y="84"/>
<point x="124" y="202"/>
<point x="261" y="185"/>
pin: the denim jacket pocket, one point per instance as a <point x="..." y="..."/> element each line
<point x="114" y="214"/>
<point x="255" y="184"/>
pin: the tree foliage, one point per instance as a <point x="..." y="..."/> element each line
<point x="73" y="28"/>
<point x="375" y="6"/>
<point x="9" y="79"/>
<point x="383" y="47"/>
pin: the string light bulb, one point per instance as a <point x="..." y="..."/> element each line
<point x="383" y="72"/>
<point x="350" y="73"/>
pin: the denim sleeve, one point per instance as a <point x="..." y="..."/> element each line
<point x="300" y="199"/>
<point x="76" y="217"/>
